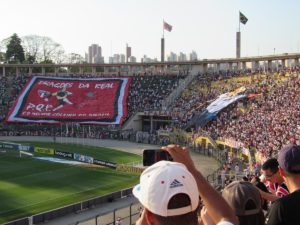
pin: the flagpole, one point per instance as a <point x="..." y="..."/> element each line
<point x="239" y="22"/>
<point x="163" y="28"/>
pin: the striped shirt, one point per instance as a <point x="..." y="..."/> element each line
<point x="280" y="189"/>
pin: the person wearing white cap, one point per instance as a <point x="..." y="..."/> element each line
<point x="169" y="192"/>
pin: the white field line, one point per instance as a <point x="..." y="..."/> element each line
<point x="93" y="188"/>
<point x="36" y="203"/>
<point x="34" y="174"/>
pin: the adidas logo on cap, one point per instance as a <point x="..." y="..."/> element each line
<point x="175" y="183"/>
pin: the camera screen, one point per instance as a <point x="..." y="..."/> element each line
<point x="151" y="156"/>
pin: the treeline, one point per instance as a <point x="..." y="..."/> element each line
<point x="35" y="49"/>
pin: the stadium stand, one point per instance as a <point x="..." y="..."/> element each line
<point x="148" y="92"/>
<point x="264" y="122"/>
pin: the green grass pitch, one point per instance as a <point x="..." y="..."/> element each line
<point x="30" y="186"/>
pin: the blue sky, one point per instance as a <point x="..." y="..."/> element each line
<point x="207" y="27"/>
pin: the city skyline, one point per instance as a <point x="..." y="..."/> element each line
<point x="208" y="28"/>
<point x="94" y="55"/>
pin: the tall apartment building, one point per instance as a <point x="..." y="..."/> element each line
<point x="181" y="57"/>
<point x="95" y="54"/>
<point x="146" y="59"/>
<point x="117" y="58"/>
<point x="172" y="57"/>
<point x="110" y="60"/>
<point x="128" y="52"/>
<point x="132" y="59"/>
<point x="193" y="56"/>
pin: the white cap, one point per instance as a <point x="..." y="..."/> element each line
<point x="160" y="182"/>
<point x="224" y="223"/>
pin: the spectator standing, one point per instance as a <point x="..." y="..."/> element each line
<point x="169" y="192"/>
<point x="236" y="170"/>
<point x="257" y="183"/>
<point x="286" y="209"/>
<point x="140" y="211"/>
<point x="245" y="201"/>
<point x="271" y="172"/>
<point x="119" y="221"/>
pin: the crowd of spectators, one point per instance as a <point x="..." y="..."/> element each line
<point x="148" y="92"/>
<point x="3" y="88"/>
<point x="264" y="123"/>
<point x="11" y="87"/>
<point x="269" y="123"/>
<point x="205" y="88"/>
<point x="18" y="83"/>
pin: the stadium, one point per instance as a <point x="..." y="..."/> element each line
<point x="149" y="121"/>
<point x="72" y="134"/>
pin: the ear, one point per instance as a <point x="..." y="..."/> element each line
<point x="281" y="171"/>
<point x="199" y="207"/>
<point x="149" y="216"/>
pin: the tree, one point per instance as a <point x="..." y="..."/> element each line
<point x="2" y="56"/>
<point x="14" y="49"/>
<point x="30" y="59"/>
<point x="74" y="58"/>
<point x="39" y="49"/>
<point x="42" y="48"/>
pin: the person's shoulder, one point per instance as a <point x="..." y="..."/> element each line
<point x="287" y="202"/>
<point x="284" y="209"/>
<point x="291" y="196"/>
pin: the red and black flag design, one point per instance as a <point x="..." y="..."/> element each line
<point x="79" y="100"/>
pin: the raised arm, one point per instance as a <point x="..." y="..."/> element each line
<point x="217" y="207"/>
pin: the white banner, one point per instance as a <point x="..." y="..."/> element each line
<point x="224" y="100"/>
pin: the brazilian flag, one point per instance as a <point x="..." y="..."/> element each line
<point x="243" y="18"/>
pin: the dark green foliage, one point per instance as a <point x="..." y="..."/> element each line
<point x="15" y="51"/>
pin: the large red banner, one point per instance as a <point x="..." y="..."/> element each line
<point x="80" y="100"/>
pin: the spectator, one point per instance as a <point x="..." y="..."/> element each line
<point x="271" y="173"/>
<point x="140" y="211"/>
<point x="236" y="170"/>
<point x="244" y="178"/>
<point x="245" y="201"/>
<point x="169" y="193"/>
<point x="119" y="221"/>
<point x="286" y="209"/>
<point x="257" y="183"/>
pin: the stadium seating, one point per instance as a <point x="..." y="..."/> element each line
<point x="265" y="123"/>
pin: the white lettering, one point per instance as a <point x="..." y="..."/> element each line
<point x="55" y="84"/>
<point x="48" y="107"/>
<point x="104" y="85"/>
<point x="30" y="105"/>
<point x="81" y="85"/>
<point x="39" y="107"/>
